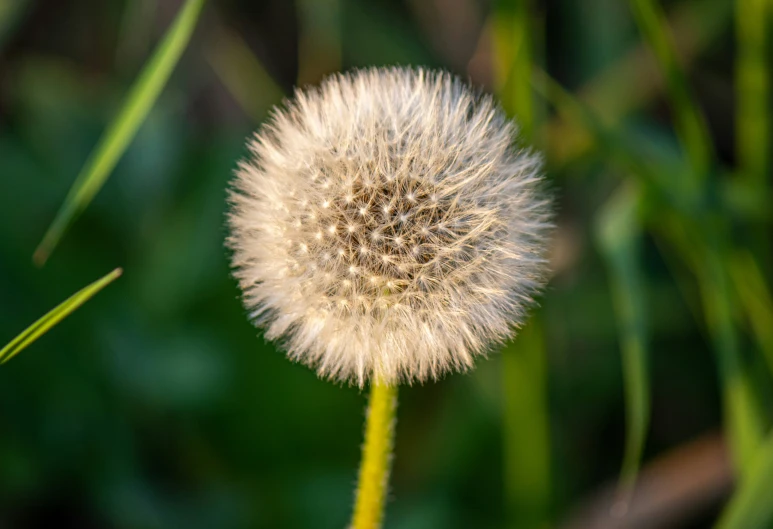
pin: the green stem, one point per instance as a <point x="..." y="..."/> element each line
<point x="376" y="457"/>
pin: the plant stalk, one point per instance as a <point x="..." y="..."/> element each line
<point x="373" y="481"/>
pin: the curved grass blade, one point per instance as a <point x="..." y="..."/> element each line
<point x="122" y="130"/>
<point x="619" y="234"/>
<point x="689" y="121"/>
<point x="703" y="243"/>
<point x="751" y="507"/>
<point x="40" y="327"/>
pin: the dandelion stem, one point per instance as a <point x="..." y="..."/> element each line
<point x="376" y="457"/>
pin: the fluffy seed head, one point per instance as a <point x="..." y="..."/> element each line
<point x="386" y="226"/>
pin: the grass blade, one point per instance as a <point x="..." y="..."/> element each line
<point x="750" y="507"/>
<point x="704" y="244"/>
<point x="619" y="234"/>
<point x="750" y="284"/>
<point x="627" y="84"/>
<point x="753" y="91"/>
<point x="243" y="75"/>
<point x="527" y="429"/>
<point x="527" y="457"/>
<point x="743" y="413"/>
<point x="513" y="61"/>
<point x="753" y="121"/>
<point x="44" y="324"/>
<point x="689" y="121"/>
<point x="122" y="130"/>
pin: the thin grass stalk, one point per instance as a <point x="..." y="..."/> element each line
<point x="121" y="131"/>
<point x="54" y="316"/>
<point x="619" y="232"/>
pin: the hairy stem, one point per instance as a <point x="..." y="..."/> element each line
<point x="376" y="457"/>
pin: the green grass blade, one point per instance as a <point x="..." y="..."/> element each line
<point x="610" y="144"/>
<point x="44" y="324"/>
<point x="627" y="84"/>
<point x="527" y="457"/>
<point x="122" y="130"/>
<point x="527" y="429"/>
<point x="752" y="79"/>
<point x="243" y="75"/>
<point x="513" y="44"/>
<point x="755" y="297"/>
<point x="689" y="121"/>
<point x="753" y="120"/>
<point x="703" y="244"/>
<point x="619" y="234"/>
<point x="751" y="506"/>
<point x="746" y="421"/>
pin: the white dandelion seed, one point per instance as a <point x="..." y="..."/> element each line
<point x="416" y="226"/>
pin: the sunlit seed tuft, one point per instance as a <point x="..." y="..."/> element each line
<point x="388" y="226"/>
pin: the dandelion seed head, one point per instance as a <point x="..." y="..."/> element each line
<point x="387" y="226"/>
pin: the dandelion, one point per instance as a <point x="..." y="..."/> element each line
<point x="386" y="228"/>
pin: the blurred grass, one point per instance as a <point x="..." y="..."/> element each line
<point x="750" y="507"/>
<point x="689" y="121"/>
<point x="54" y="316"/>
<point x="513" y="59"/>
<point x="319" y="39"/>
<point x="121" y="131"/>
<point x="527" y="468"/>
<point x="753" y="109"/>
<point x="527" y="444"/>
<point x="619" y="232"/>
<point x="243" y="74"/>
<point x="704" y="256"/>
<point x="752" y="80"/>
<point x="749" y="282"/>
<point x="746" y="420"/>
<point x="744" y="416"/>
<point x="11" y="12"/>
<point x="628" y="84"/>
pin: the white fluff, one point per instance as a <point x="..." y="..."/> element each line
<point x="387" y="226"/>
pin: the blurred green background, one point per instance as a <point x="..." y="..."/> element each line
<point x="157" y="404"/>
